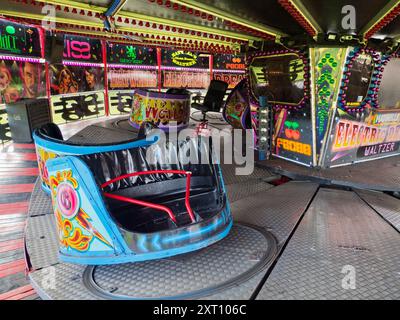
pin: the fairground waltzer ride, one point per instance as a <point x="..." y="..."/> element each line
<point x="122" y="203"/>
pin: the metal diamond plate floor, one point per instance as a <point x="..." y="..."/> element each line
<point x="329" y="237"/>
<point x="40" y="203"/>
<point x="387" y="206"/>
<point x="359" y="175"/>
<point x="246" y="189"/>
<point x="235" y="259"/>
<point x="42" y="241"/>
<point x="68" y="284"/>
<point x="230" y="175"/>
<point x="341" y="250"/>
<point x="277" y="210"/>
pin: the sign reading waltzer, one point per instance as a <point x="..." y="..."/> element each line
<point x="162" y="109"/>
<point x="376" y="136"/>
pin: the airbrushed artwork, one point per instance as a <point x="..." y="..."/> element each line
<point x="120" y="101"/>
<point x="118" y="53"/>
<point x="366" y="125"/>
<point x="165" y="111"/>
<point x="74" y="79"/>
<point x="73" y="107"/>
<point x="20" y="80"/>
<point x="237" y="110"/>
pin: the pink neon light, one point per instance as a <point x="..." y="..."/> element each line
<point x="77" y="49"/>
<point x="229" y="71"/>
<point x="83" y="64"/>
<point x="129" y="66"/>
<point x="184" y="69"/>
<point x="33" y="60"/>
<point x="153" y="205"/>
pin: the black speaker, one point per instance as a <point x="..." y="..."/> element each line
<point x="54" y="48"/>
<point x="26" y="115"/>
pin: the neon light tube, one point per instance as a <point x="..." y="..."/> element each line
<point x="83" y="64"/>
<point x="184" y="69"/>
<point x="131" y="66"/>
<point x="27" y="59"/>
<point x="229" y="71"/>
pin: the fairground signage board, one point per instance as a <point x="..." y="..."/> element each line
<point x="229" y="62"/>
<point x="131" y="55"/>
<point x="18" y="39"/>
<point x="183" y="59"/>
<point x="376" y="135"/>
<point x="162" y="109"/>
<point x="82" y="49"/>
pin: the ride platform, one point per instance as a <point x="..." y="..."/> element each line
<point x="290" y="240"/>
<point x="382" y="174"/>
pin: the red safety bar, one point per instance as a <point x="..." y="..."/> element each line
<point x="149" y="204"/>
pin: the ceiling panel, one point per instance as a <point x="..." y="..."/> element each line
<point x="328" y="14"/>
<point x="267" y="12"/>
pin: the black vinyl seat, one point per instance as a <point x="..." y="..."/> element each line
<point x="161" y="188"/>
<point x="180" y="91"/>
<point x="213" y="99"/>
<point x="52" y="130"/>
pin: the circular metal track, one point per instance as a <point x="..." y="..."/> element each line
<point x="245" y="252"/>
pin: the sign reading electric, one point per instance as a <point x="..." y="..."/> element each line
<point x="351" y="134"/>
<point x="370" y="140"/>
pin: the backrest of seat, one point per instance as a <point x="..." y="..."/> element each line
<point x="215" y="95"/>
<point x="164" y="156"/>
<point x="51" y="130"/>
<point x="179" y="91"/>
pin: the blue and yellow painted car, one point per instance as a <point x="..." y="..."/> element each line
<point x="122" y="203"/>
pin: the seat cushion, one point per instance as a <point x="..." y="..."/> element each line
<point x="183" y="155"/>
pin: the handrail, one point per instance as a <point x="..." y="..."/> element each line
<point x="149" y="204"/>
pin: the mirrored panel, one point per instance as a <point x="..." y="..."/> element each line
<point x="279" y="77"/>
<point x="359" y="80"/>
<point x="389" y="95"/>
